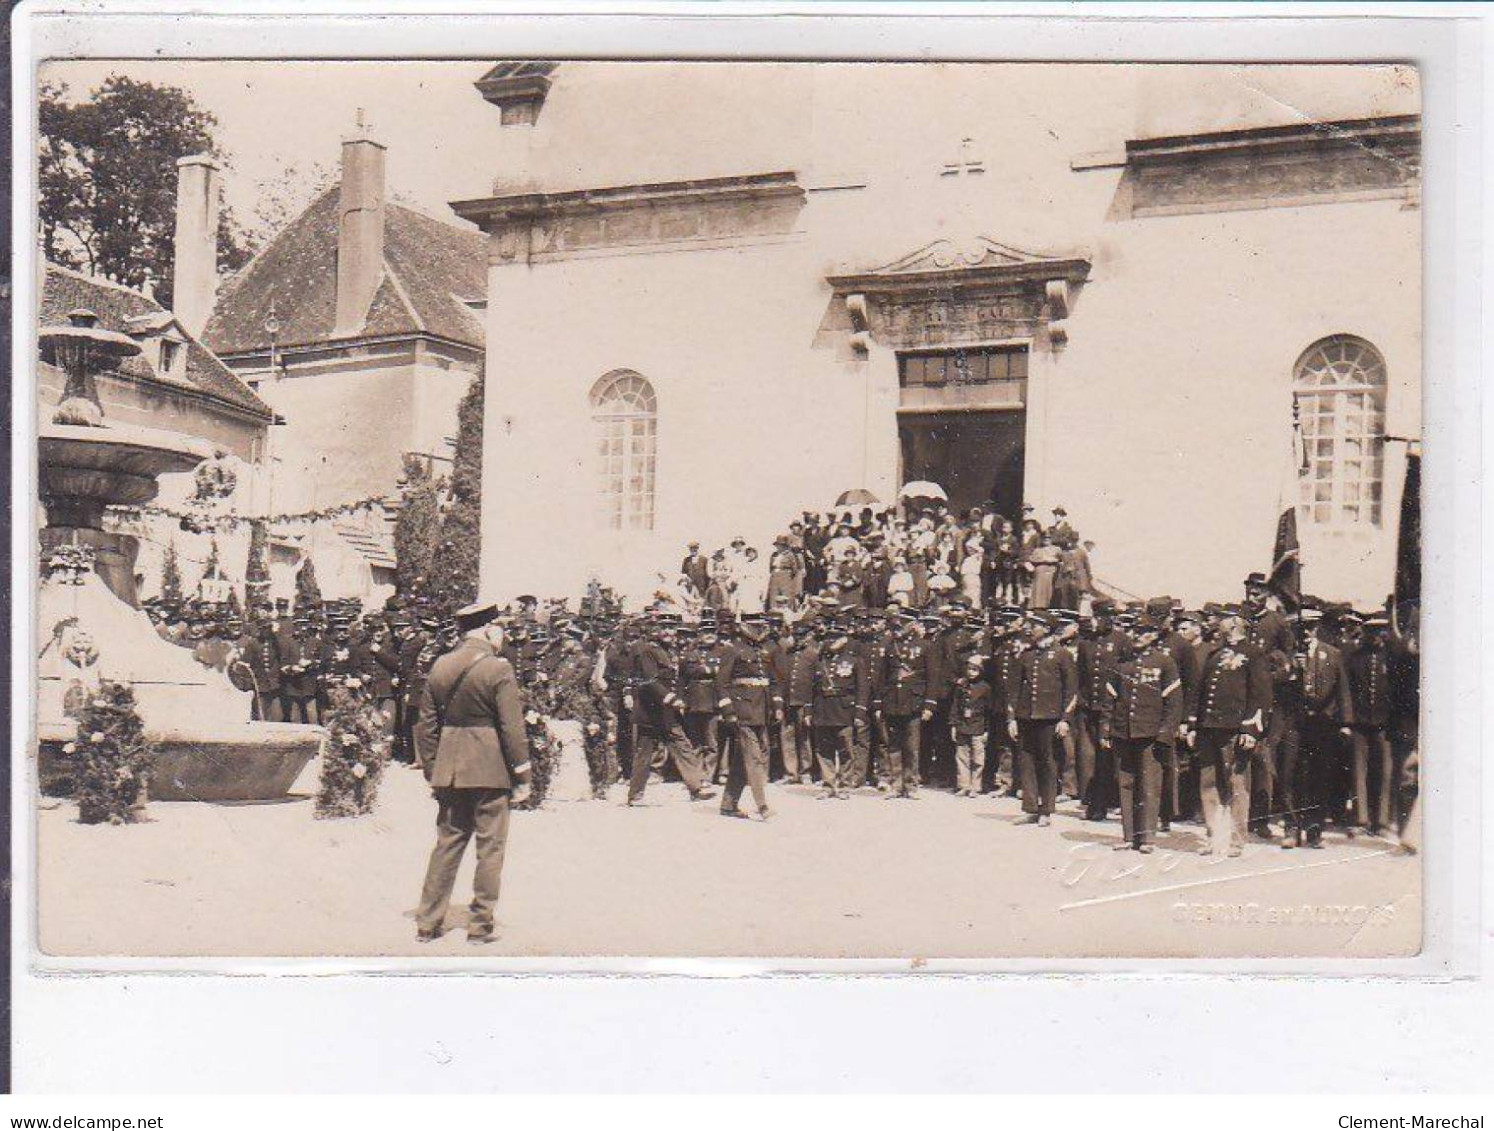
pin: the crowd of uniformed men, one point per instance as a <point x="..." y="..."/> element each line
<point x="1258" y="718"/>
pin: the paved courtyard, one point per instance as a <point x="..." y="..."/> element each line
<point x="866" y="877"/>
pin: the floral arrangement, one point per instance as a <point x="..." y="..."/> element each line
<point x="112" y="758"/>
<point x="355" y="753"/>
<point x="543" y="755"/>
<point x="68" y="563"/>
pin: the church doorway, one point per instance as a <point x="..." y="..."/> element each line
<point x="963" y="423"/>
<point x="975" y="456"/>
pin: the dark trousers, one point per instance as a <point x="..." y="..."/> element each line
<point x="1310" y="770"/>
<point x="460" y="815"/>
<point x="1374" y="778"/>
<point x="671" y="741"/>
<point x="1039" y="742"/>
<point x="1094" y="768"/>
<point x="300" y="709"/>
<point x="267" y="707"/>
<point x="842" y="762"/>
<point x="746" y="766"/>
<point x="1139" y="764"/>
<point x="625" y="735"/>
<point x="797" y="743"/>
<point x="1265" y="787"/>
<point x="702" y="731"/>
<point x="904" y="746"/>
<point x="1179" y="786"/>
<point x="876" y="750"/>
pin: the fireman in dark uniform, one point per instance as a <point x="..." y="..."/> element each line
<point x="1042" y="698"/>
<point x="617" y="673"/>
<point x="1001" y="748"/>
<point x="907" y="703"/>
<point x="874" y="643"/>
<point x="698" y="659"/>
<point x="1099" y="650"/>
<point x="747" y="699"/>
<point x="1228" y="719"/>
<point x="796" y="677"/>
<point x="1369" y="691"/>
<point x="1143" y="696"/>
<point x="656" y="708"/>
<point x="1327" y="716"/>
<point x="841" y="698"/>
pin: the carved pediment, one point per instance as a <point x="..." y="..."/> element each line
<point x="946" y="255"/>
<point x="981" y="262"/>
<point x="949" y="293"/>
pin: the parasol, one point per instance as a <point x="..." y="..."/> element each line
<point x="923" y="489"/>
<point x="859" y="496"/>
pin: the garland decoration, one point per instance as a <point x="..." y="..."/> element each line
<point x="197" y="521"/>
<point x="354" y="755"/>
<point x="112" y="758"/>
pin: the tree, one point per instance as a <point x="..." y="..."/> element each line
<point x="308" y="592"/>
<point x="171" y="576"/>
<point x="454" y="568"/>
<point x="415" y="529"/>
<point x="213" y="569"/>
<point x="107" y="180"/>
<point x="257" y="569"/>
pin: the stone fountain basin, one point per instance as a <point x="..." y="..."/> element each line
<point x="211" y="762"/>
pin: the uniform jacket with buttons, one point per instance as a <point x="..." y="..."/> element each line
<point x="745" y="689"/>
<point x="797" y="677"/>
<point x="1234" y="689"/>
<point x="698" y="680"/>
<point x="1369" y="686"/>
<point x="474" y="738"/>
<point x="909" y="675"/>
<point x="1143" y="697"/>
<point x="1325" y="685"/>
<point x="654" y="684"/>
<point x="1098" y="655"/>
<point x="841" y="689"/>
<point x="1043" y="686"/>
<point x="970" y="707"/>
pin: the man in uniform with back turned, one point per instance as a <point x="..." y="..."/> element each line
<point x="472" y="746"/>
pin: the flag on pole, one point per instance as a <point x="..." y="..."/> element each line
<point x="1408" y="537"/>
<point x="1286" y="552"/>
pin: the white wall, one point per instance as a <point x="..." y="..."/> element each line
<point x="1163" y="426"/>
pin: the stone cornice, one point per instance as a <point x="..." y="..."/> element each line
<point x="496" y="212"/>
<point x="1398" y="132"/>
<point x="513" y="90"/>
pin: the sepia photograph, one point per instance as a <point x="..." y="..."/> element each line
<point x="556" y="509"/>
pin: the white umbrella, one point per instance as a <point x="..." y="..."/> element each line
<point x="923" y="489"/>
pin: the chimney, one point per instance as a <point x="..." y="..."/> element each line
<point x="360" y="231"/>
<point x="194" y="286"/>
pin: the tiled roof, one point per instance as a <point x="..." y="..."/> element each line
<point x="429" y="268"/>
<point x="130" y="312"/>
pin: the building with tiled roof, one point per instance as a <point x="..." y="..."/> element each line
<point x="360" y="323"/>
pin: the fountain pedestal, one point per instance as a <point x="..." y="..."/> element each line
<point x="90" y="629"/>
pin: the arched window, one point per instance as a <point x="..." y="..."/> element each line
<point x="624" y="412"/>
<point x="1340" y="389"/>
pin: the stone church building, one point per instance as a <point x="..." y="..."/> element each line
<point x="719" y="294"/>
